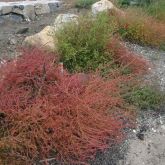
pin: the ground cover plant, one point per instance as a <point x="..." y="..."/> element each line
<point x="82" y="46"/>
<point x="145" y="97"/>
<point x="156" y="9"/>
<point x="45" y="111"/>
<point x="139" y="28"/>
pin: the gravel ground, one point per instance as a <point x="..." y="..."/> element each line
<point x="146" y="145"/>
<point x="157" y="59"/>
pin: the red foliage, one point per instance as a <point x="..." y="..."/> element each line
<point x="126" y="58"/>
<point x="47" y="112"/>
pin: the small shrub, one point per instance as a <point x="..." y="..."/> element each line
<point x="129" y="62"/>
<point x="140" y="28"/>
<point x="156" y="9"/>
<point x="47" y="112"/>
<point x="124" y="2"/>
<point x="82" y="46"/>
<point x="85" y="3"/>
<point x="145" y="97"/>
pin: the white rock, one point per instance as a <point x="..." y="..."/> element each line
<point x="62" y="19"/>
<point x="43" y="39"/>
<point x="101" y="6"/>
<point x="42" y="9"/>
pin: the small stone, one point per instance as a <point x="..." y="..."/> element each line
<point x="21" y="7"/>
<point x="12" y="41"/>
<point x="154" y="130"/>
<point x="143" y="128"/>
<point x="140" y="136"/>
<point x="23" y="30"/>
<point x="62" y="19"/>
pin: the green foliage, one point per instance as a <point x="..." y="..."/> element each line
<point x="85" y="3"/>
<point x="157" y="9"/>
<point x="136" y="26"/>
<point x="124" y="2"/>
<point x="136" y="2"/>
<point x="82" y="45"/>
<point x="144" y="97"/>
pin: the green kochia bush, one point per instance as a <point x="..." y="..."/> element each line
<point x="85" y="3"/>
<point x="82" y="45"/>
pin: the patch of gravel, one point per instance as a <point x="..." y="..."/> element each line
<point x="146" y="145"/>
<point x="157" y="59"/>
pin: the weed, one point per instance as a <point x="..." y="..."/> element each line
<point x="129" y="63"/>
<point x="140" y="28"/>
<point x="82" y="46"/>
<point x="145" y="97"/>
<point x="48" y="111"/>
<point x="156" y="9"/>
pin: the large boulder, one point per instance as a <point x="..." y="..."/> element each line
<point x="104" y="5"/>
<point x="62" y="19"/>
<point x="101" y="6"/>
<point x="43" y="39"/>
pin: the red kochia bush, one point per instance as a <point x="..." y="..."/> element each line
<point x="45" y="111"/>
<point x="126" y="58"/>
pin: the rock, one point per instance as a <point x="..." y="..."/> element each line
<point x="101" y="6"/>
<point x="53" y="6"/>
<point x="22" y="30"/>
<point x="17" y="10"/>
<point x="42" y="39"/>
<point x="42" y="9"/>
<point x="62" y="19"/>
<point x="12" y="41"/>
<point x="140" y="136"/>
<point x="6" y="9"/>
<point x="29" y="12"/>
<point x="15" y="18"/>
<point x="104" y="5"/>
